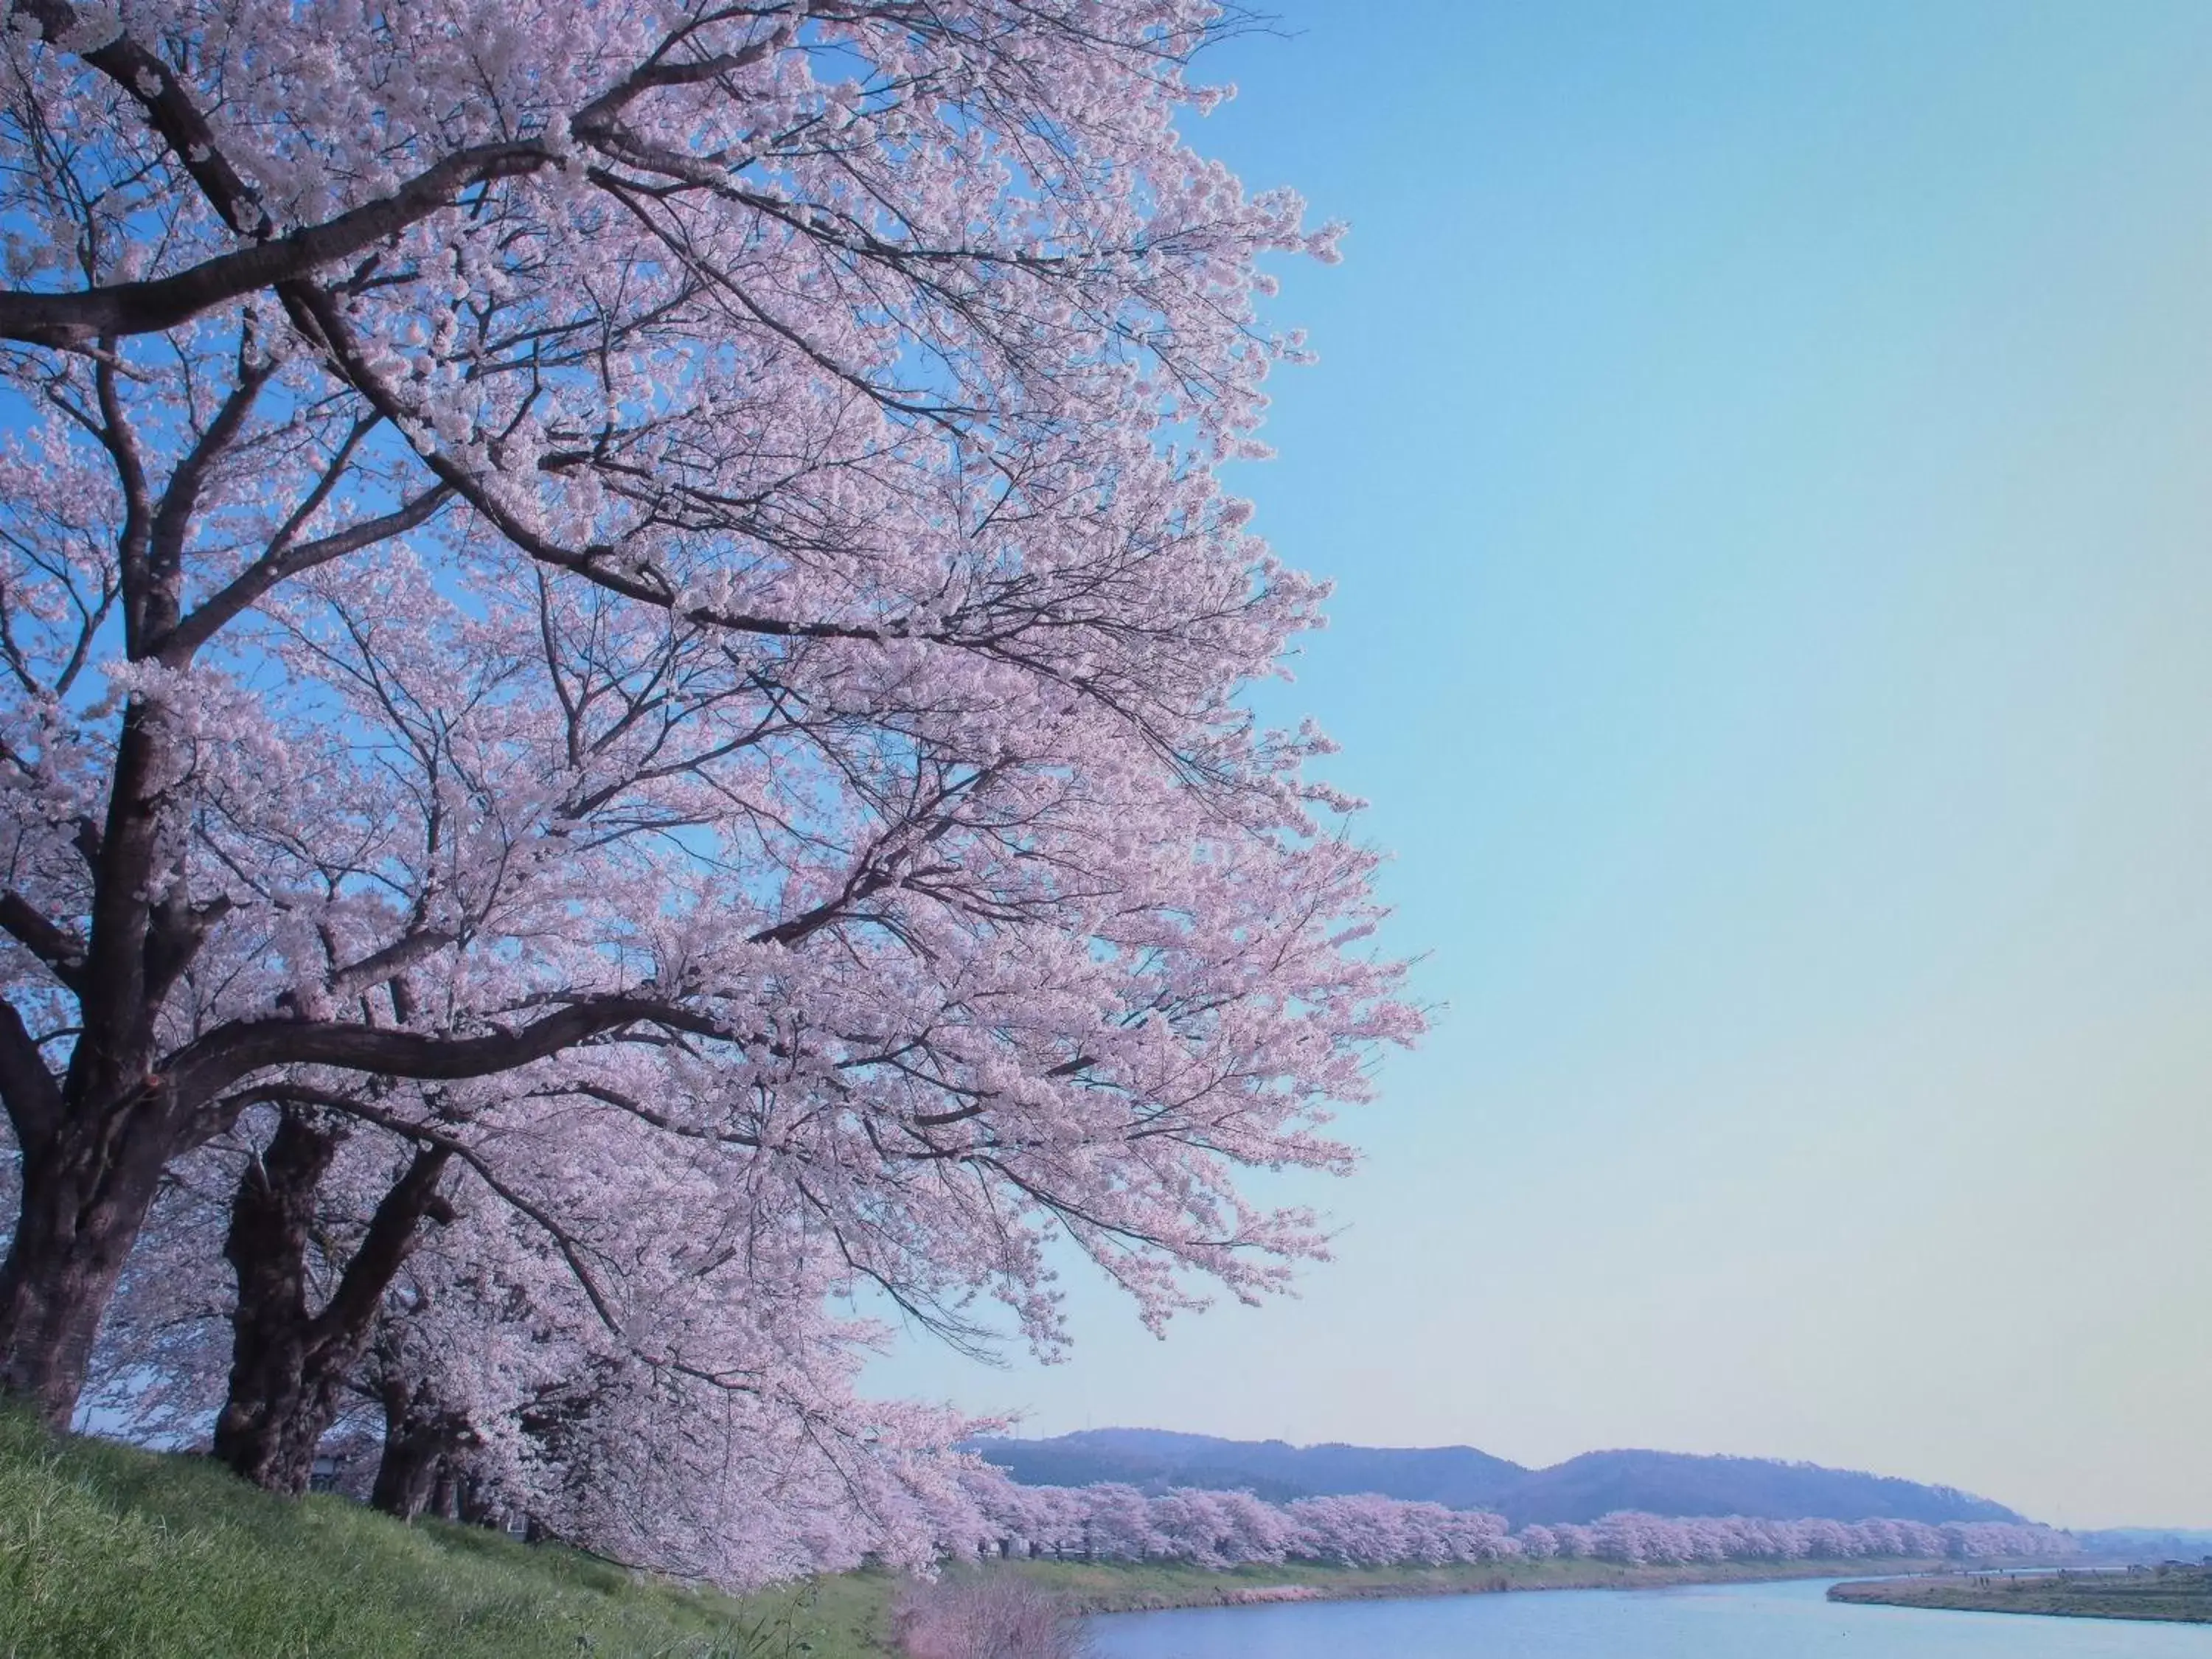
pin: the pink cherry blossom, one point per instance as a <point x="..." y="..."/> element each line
<point x="637" y="603"/>
<point x="1219" y="1529"/>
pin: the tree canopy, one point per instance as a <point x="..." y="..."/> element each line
<point x="626" y="618"/>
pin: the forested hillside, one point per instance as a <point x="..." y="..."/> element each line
<point x="1580" y="1490"/>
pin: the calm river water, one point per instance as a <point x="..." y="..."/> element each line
<point x="1718" y="1621"/>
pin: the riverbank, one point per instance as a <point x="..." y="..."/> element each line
<point x="2167" y="1594"/>
<point x="1139" y="1587"/>
<point x="106" y="1550"/>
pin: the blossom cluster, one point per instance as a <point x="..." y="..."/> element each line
<point x="625" y="722"/>
<point x="1111" y="1521"/>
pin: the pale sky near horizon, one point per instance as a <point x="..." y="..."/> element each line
<point x="1765" y="453"/>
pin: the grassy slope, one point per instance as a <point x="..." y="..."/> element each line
<point x="111" y="1554"/>
<point x="2183" y="1595"/>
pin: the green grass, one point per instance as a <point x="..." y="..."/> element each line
<point x="107" y="1553"/>
<point x="2181" y="1595"/>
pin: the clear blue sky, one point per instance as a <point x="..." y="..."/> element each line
<point x="1765" y="451"/>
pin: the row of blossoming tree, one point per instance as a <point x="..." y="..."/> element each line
<point x="1216" y="1529"/>
<point x="622" y="718"/>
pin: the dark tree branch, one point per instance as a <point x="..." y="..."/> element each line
<point x="78" y="321"/>
<point x="206" y="1067"/>
<point x="75" y="321"/>
<point x="169" y="110"/>
<point x="379" y="965"/>
<point x="393" y="1233"/>
<point x="264" y="572"/>
<point x="61" y="950"/>
<point x="173" y="936"/>
<point x="27" y="1089"/>
<point x="572" y="1251"/>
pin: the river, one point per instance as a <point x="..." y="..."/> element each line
<point x="1788" y="1621"/>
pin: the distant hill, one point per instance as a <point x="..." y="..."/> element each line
<point x="1579" y="1490"/>
<point x="1674" y="1483"/>
<point x="2149" y="1543"/>
<point x="1155" y="1459"/>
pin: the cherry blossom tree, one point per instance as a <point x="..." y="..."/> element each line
<point x="264" y="1272"/>
<point x="662" y="563"/>
<point x="1825" y="1540"/>
<point x="710" y="1427"/>
<point x="1219" y="1529"/>
<point x="1632" y="1537"/>
<point x="1118" y="1525"/>
<point x="1573" y="1543"/>
<point x="293" y="1351"/>
<point x="1252" y="1531"/>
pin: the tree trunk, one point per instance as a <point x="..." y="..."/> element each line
<point x="476" y="1504"/>
<point x="421" y="1439"/>
<point x="277" y="1409"/>
<point x="445" y="1496"/>
<point x="85" y="1197"/>
<point x="94" y="1141"/>
<point x="288" y="1366"/>
<point x="407" y="1476"/>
